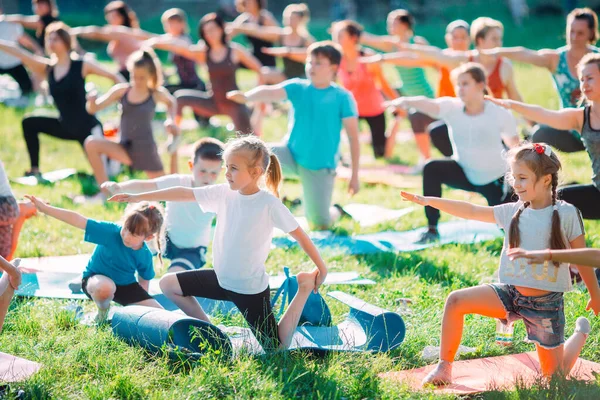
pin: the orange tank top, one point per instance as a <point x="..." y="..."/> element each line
<point x="445" y="86"/>
<point x="494" y="80"/>
<point x="360" y="82"/>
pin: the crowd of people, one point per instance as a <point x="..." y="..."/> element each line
<point x="331" y="85"/>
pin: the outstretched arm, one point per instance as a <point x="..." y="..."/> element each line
<point x="544" y="58"/>
<point x="178" y="193"/>
<point x="70" y="217"/>
<point x="421" y="103"/>
<point x="401" y="58"/>
<point x="588" y="276"/>
<point x="380" y="42"/>
<point x="131" y="186"/>
<point x="260" y="94"/>
<point x="437" y="56"/>
<point x="179" y="46"/>
<point x="93" y="104"/>
<point x="268" y="33"/>
<point x="28" y="21"/>
<point x="581" y="257"/>
<point x="457" y="208"/>
<point x="94" y="68"/>
<point x="108" y="33"/>
<point x="565" y="119"/>
<point x="293" y="53"/>
<point x="35" y="63"/>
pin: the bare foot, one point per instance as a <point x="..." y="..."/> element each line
<point x="27" y="209"/>
<point x="440" y="376"/>
<point x="306" y="281"/>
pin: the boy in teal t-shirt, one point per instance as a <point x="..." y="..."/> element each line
<point x="320" y="109"/>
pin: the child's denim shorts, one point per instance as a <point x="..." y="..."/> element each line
<point x="189" y="259"/>
<point x="544" y="316"/>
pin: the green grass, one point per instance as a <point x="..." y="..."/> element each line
<point x="84" y="362"/>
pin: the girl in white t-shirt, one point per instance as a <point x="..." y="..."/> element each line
<point x="477" y="130"/>
<point x="532" y="292"/>
<point x="246" y="216"/>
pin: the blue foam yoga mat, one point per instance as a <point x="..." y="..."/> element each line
<point x="366" y="328"/>
<point x="391" y="241"/>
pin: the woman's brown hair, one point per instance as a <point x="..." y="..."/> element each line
<point x="130" y="19"/>
<point x="146" y="58"/>
<point x="62" y="31"/>
<point x="588" y="15"/>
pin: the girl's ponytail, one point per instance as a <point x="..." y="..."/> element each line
<point x="557" y="240"/>
<point x="274" y="175"/>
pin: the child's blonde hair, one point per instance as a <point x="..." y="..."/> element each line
<point x="481" y="26"/>
<point x="175" y="14"/>
<point x="146" y="58"/>
<point x="540" y="159"/>
<point x="259" y="155"/>
<point x="145" y="219"/>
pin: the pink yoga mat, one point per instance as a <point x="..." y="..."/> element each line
<point x="15" y="369"/>
<point x="493" y="373"/>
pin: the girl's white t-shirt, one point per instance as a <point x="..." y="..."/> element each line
<point x="535" y="227"/>
<point x="243" y="234"/>
<point x="477" y="139"/>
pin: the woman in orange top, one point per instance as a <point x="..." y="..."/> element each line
<point x="365" y="82"/>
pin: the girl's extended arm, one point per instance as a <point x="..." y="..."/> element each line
<point x="544" y="58"/>
<point x="383" y="43"/>
<point x="293" y="53"/>
<point x="268" y="33"/>
<point x="35" y="63"/>
<point x="435" y="55"/>
<point x="93" y="104"/>
<point x="131" y="186"/>
<point x="565" y="119"/>
<point x="28" y="21"/>
<point x="588" y="275"/>
<point x="179" y="46"/>
<point x="582" y="257"/>
<point x="311" y="251"/>
<point x="457" y="208"/>
<point x="93" y="68"/>
<point x="108" y="33"/>
<point x="70" y="217"/>
<point x="178" y="193"/>
<point x="421" y="103"/>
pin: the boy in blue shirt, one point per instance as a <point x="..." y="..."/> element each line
<point x="320" y="109"/>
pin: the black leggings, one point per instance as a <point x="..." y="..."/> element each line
<point x="585" y="197"/>
<point x="377" y="127"/>
<point x="567" y="141"/>
<point x="19" y="74"/>
<point x="256" y="308"/>
<point x="438" y="131"/>
<point x="207" y="105"/>
<point x="448" y="172"/>
<point x="33" y="126"/>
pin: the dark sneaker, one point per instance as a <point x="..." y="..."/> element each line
<point x="343" y="213"/>
<point x="428" y="237"/>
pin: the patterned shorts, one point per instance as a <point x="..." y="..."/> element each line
<point x="9" y="212"/>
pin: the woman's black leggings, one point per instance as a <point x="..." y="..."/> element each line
<point x="585" y="197"/>
<point x="567" y="141"/>
<point x="19" y="74"/>
<point x="377" y="127"/>
<point x="448" y="172"/>
<point x="438" y="131"/>
<point x="33" y="126"/>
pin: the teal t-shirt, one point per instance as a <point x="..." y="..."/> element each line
<point x="112" y="258"/>
<point x="315" y="122"/>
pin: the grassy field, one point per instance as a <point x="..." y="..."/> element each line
<point x="84" y="362"/>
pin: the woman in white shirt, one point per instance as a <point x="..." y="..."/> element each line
<point x="477" y="131"/>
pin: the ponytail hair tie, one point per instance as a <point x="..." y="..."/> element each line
<point x="542" y="149"/>
<point x="151" y="207"/>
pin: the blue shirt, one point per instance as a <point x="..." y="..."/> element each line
<point x="315" y="122"/>
<point x="112" y="258"/>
